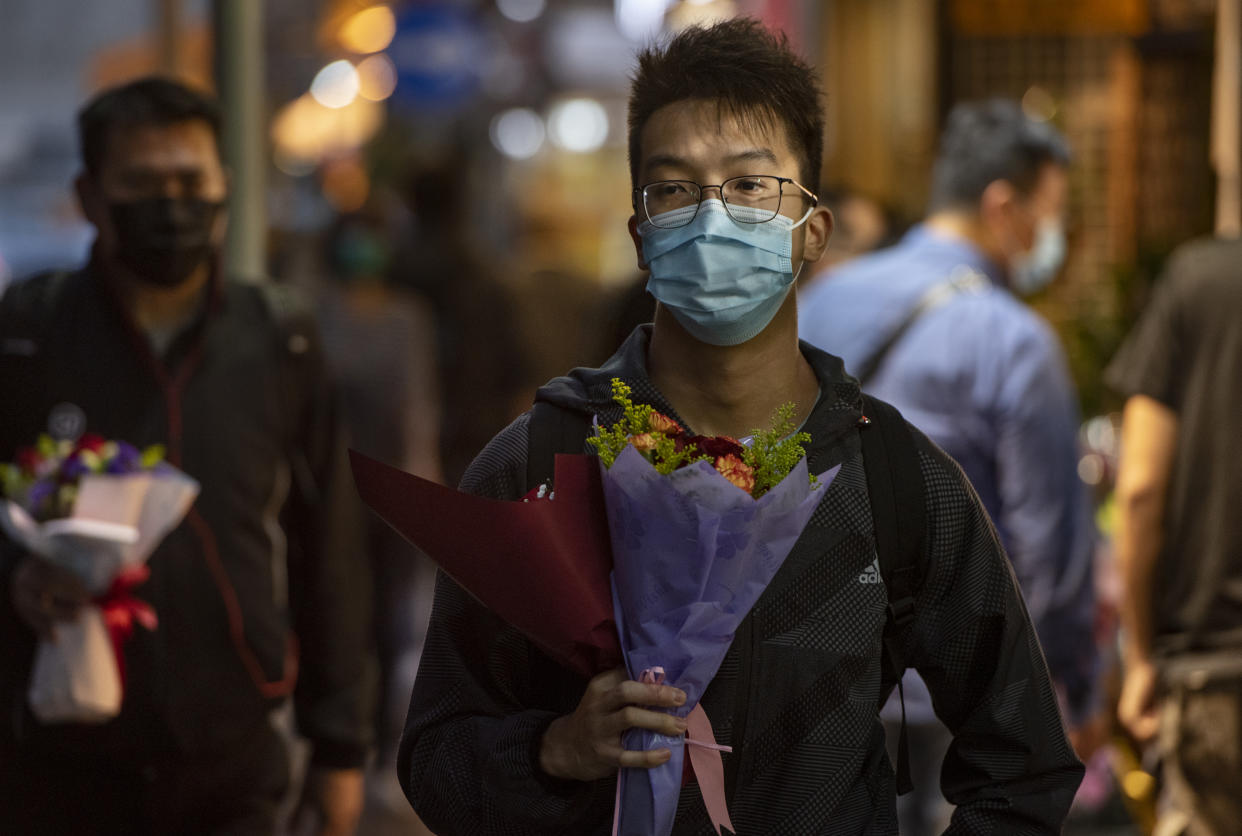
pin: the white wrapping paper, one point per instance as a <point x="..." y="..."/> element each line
<point x="75" y="679"/>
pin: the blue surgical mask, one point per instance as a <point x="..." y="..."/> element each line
<point x="722" y="280"/>
<point x="1034" y="269"/>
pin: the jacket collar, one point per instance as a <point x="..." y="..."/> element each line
<point x="590" y="390"/>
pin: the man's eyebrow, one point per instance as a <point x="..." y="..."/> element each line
<point x="749" y="155"/>
<point x="146" y="170"/>
<point x="664" y="161"/>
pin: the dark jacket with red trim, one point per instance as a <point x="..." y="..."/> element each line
<point x="263" y="590"/>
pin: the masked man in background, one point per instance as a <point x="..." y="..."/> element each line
<point x="936" y="325"/>
<point x="149" y="344"/>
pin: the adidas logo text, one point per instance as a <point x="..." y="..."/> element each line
<point x="872" y="575"/>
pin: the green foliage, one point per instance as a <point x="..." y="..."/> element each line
<point x="668" y="458"/>
<point x="771" y="456"/>
<point x="775" y="452"/>
<point x="636" y="420"/>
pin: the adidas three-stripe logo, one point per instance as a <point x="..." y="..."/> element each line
<point x="872" y="575"/>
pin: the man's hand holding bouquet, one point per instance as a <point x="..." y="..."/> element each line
<point x="651" y="556"/>
<point x="90" y="514"/>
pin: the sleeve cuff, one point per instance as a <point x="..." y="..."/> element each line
<point x="332" y="754"/>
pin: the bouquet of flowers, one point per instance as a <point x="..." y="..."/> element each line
<point x="97" y="508"/>
<point x="650" y="554"/>
<point x="699" y="527"/>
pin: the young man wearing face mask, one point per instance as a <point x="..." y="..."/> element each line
<point x="149" y="344"/>
<point x="937" y="326"/>
<point x="725" y="132"/>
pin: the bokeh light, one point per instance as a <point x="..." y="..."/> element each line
<point x="346" y="184"/>
<point x="578" y="125"/>
<point x="521" y="11"/>
<point x="370" y="30"/>
<point x="377" y="78"/>
<point x="518" y="133"/>
<point x="305" y="131"/>
<point x="336" y="85"/>
<point x="1039" y="104"/>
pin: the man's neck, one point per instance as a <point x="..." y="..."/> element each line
<point x="732" y="390"/>
<point x="157" y="309"/>
<point x="964" y="226"/>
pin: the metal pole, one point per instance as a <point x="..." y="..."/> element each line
<point x="168" y="15"/>
<point x="1226" y="127"/>
<point x="241" y="85"/>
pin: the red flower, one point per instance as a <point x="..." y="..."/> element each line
<point x="661" y="423"/>
<point x="92" y="442"/>
<point x="28" y="459"/>
<point x="643" y="442"/>
<point x="717" y="446"/>
<point x="736" y="471"/>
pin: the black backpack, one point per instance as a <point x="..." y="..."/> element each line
<point x="895" y="485"/>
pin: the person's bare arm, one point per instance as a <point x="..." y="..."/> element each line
<point x="1148" y="443"/>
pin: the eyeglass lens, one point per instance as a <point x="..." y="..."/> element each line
<point x="759" y="196"/>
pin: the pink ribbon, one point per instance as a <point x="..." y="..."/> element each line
<point x="705" y="761"/>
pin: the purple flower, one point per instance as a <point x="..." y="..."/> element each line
<point x="39" y="494"/>
<point x="74" y="468"/>
<point x="127" y="459"/>
<point x="163" y="468"/>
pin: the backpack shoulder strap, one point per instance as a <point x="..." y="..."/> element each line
<point x="552" y="429"/>
<point x="294" y="329"/>
<point x="895" y="485"/>
<point x="963" y="279"/>
<point x="29" y="304"/>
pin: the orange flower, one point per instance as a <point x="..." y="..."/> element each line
<point x="736" y="471"/>
<point x="643" y="442"/>
<point x="661" y="423"/>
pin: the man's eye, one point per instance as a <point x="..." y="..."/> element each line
<point x="140" y="181"/>
<point x="752" y="185"/>
<point x="670" y="190"/>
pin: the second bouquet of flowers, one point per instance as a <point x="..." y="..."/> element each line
<point x="98" y="509"/>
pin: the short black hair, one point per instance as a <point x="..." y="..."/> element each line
<point x="748" y="70"/>
<point x="988" y="141"/>
<point x="150" y="101"/>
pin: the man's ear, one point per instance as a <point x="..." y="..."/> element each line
<point x="638" y="242"/>
<point x="997" y="205"/>
<point x="818" y="232"/>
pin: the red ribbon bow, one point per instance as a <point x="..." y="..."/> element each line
<point x="120" y="609"/>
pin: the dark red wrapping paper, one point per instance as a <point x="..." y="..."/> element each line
<point x="543" y="566"/>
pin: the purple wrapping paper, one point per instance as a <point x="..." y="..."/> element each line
<point x="692" y="553"/>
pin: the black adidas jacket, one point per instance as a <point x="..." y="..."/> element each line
<point x="264" y="584"/>
<point x="797" y="693"/>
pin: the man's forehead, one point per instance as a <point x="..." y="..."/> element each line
<point x="180" y="145"/>
<point x="705" y="132"/>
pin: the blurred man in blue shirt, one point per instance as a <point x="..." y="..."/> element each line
<point x="936" y="326"/>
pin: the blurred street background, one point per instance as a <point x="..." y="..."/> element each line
<point x="469" y="157"/>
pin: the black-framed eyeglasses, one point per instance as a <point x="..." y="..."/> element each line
<point x="750" y="199"/>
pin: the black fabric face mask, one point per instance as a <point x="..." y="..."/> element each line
<point x="161" y="240"/>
